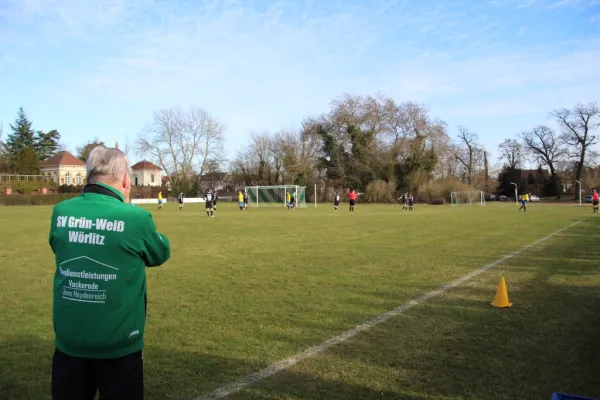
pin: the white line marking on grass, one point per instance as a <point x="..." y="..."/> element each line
<point x="312" y="351"/>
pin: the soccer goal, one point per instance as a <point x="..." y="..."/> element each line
<point x="467" y="198"/>
<point x="274" y="196"/>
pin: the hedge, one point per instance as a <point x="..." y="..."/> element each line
<point x="26" y="187"/>
<point x="41" y="200"/>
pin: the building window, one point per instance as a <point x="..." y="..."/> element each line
<point x="152" y="178"/>
<point x="68" y="178"/>
<point x="136" y="181"/>
<point x="78" y="179"/>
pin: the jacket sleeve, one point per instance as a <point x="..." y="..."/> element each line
<point x="156" y="249"/>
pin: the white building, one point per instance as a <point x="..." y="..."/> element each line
<point x="145" y="173"/>
<point x="64" y="168"/>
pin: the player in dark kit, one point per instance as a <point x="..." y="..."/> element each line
<point x="336" y="201"/>
<point x="411" y="202"/>
<point x="180" y="200"/>
<point x="215" y="199"/>
<point x="209" y="197"/>
<point x="245" y="200"/>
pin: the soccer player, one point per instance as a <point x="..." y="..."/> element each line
<point x="209" y="197"/>
<point x="160" y="200"/>
<point x="288" y="200"/>
<point x="240" y="200"/>
<point x="293" y="203"/>
<point x="336" y="201"/>
<point x="411" y="202"/>
<point x="215" y="199"/>
<point x="180" y="200"/>
<point x="524" y="200"/>
<point x="245" y="200"/>
<point x="403" y="200"/>
<point x="352" y="195"/>
<point x="595" y="202"/>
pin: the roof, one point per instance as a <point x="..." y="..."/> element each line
<point x="145" y="165"/>
<point x="62" y="158"/>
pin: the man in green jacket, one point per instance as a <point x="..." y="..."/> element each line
<point x="102" y="245"/>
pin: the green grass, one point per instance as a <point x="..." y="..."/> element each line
<point x="245" y="290"/>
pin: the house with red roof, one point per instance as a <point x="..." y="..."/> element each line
<point x="64" y="168"/>
<point x="145" y="173"/>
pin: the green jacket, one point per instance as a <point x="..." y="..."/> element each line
<point x="102" y="247"/>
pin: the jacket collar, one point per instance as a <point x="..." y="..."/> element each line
<point x="101" y="188"/>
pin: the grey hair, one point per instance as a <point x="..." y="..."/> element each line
<point x="106" y="163"/>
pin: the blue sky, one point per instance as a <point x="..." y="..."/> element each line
<point x="98" y="68"/>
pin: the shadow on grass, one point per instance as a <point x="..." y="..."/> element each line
<point x="25" y="371"/>
<point x="457" y="346"/>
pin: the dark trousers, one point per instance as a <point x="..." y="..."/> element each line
<point x="76" y="378"/>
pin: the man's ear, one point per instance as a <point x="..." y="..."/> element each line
<point x="126" y="183"/>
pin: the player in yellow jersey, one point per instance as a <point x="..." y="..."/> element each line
<point x="524" y="200"/>
<point x="288" y="200"/>
<point x="160" y="200"/>
<point x="240" y="200"/>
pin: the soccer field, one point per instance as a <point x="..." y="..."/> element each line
<point x="247" y="289"/>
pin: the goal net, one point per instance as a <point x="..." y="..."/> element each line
<point x="274" y="196"/>
<point x="467" y="198"/>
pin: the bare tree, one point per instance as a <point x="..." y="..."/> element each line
<point x="181" y="143"/>
<point x="578" y="131"/>
<point x="545" y="146"/>
<point x="511" y="151"/>
<point x="468" y="152"/>
<point x="242" y="166"/>
<point x="260" y="153"/>
<point x="297" y="152"/>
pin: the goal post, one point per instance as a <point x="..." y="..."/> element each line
<point x="470" y="198"/>
<point x="275" y="196"/>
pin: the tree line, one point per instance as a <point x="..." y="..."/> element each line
<point x="381" y="147"/>
<point x="373" y="144"/>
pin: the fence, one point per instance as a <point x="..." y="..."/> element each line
<point x="32" y="178"/>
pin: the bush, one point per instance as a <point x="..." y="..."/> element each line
<point x="70" y="188"/>
<point x="380" y="191"/>
<point x="36" y="200"/>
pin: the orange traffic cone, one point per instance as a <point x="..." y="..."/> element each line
<point x="501" y="299"/>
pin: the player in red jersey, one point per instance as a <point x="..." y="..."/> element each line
<point x="352" y="196"/>
<point x="595" y="202"/>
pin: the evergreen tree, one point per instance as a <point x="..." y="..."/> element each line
<point x="26" y="162"/>
<point x="22" y="135"/>
<point x="21" y="138"/>
<point x="46" y="144"/>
